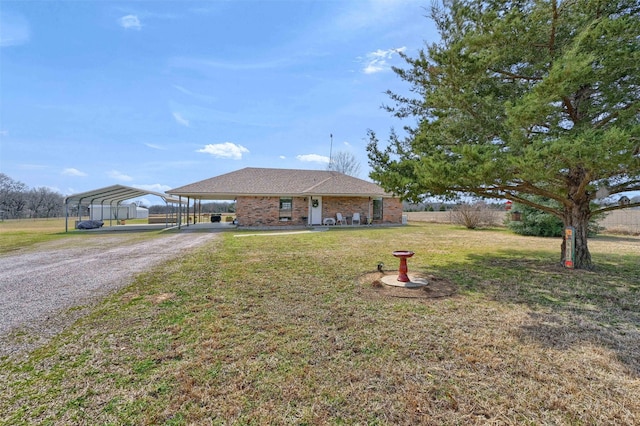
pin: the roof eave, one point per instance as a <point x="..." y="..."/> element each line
<point x="232" y="196"/>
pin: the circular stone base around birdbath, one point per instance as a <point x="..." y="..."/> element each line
<point x="371" y="285"/>
<point x="412" y="283"/>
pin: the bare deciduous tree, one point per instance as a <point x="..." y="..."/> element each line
<point x="12" y="196"/>
<point x="345" y="162"/>
<point x="43" y="202"/>
<point x="17" y="200"/>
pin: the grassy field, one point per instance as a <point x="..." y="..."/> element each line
<point x="16" y="234"/>
<point x="20" y="234"/>
<point x="296" y="329"/>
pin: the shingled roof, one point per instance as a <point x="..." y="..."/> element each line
<point x="253" y="181"/>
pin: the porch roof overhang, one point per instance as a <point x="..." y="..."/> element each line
<point x="233" y="196"/>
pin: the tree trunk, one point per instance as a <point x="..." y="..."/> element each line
<point x="578" y="218"/>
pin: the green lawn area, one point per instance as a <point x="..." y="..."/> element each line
<point x="18" y="234"/>
<point x="293" y="329"/>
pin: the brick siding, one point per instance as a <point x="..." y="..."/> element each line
<point x="265" y="211"/>
<point x="391" y="210"/>
<point x="345" y="205"/>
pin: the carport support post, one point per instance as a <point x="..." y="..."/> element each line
<point x="179" y="211"/>
<point x="66" y="216"/>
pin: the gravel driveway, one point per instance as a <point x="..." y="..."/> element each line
<point x="37" y="287"/>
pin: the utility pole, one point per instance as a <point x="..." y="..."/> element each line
<point x="330" y="150"/>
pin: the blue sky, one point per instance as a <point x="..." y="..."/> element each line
<point x="159" y="94"/>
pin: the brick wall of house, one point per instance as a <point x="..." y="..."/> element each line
<point x="392" y="210"/>
<point x="265" y="211"/>
<point x="347" y="206"/>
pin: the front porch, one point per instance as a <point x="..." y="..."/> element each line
<point x="316" y="211"/>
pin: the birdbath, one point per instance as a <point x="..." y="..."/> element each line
<point x="402" y="271"/>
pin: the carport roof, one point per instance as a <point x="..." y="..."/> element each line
<point x="114" y="193"/>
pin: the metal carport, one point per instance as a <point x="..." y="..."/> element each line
<point x="110" y="195"/>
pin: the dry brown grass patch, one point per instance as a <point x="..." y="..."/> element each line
<point x="156" y="299"/>
<point x="371" y="285"/>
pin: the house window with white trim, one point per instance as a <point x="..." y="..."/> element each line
<point x="286" y="207"/>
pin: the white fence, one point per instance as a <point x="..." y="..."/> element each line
<point x="625" y="221"/>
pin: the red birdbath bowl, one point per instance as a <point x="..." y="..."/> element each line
<point x="402" y="271"/>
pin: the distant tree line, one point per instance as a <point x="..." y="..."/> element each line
<point x="17" y="200"/>
<point x="442" y="206"/>
<point x="426" y="207"/>
<point x="214" y="207"/>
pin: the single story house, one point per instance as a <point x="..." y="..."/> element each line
<point x="283" y="197"/>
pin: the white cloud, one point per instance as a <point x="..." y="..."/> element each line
<point x="143" y="202"/>
<point x="114" y="174"/>
<point x="15" y="29"/>
<point x="183" y="90"/>
<point x="207" y="64"/>
<point x="130" y="22"/>
<point x="180" y="120"/>
<point x="368" y="14"/>
<point x="73" y="172"/>
<point x="27" y="166"/>
<point x="282" y="157"/>
<point x="155" y="187"/>
<point x="4" y="132"/>
<point x="225" y="150"/>
<point x="313" y="158"/>
<point x="200" y="96"/>
<point x="377" y="61"/>
<point x="154" y="146"/>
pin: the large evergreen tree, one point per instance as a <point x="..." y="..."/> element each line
<point x="519" y="98"/>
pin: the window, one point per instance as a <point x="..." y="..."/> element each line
<point x="286" y="207"/>
<point x="377" y="209"/>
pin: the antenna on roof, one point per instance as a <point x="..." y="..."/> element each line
<point x="330" y="150"/>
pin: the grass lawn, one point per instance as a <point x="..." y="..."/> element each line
<point x="18" y="234"/>
<point x="290" y="329"/>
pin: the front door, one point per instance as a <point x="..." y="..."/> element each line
<point x="316" y="210"/>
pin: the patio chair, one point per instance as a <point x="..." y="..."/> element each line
<point x="340" y="219"/>
<point x="356" y="218"/>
